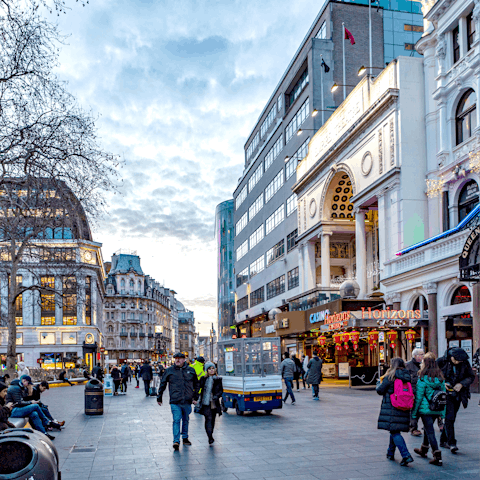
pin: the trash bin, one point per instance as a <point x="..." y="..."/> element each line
<point x="94" y="397"/>
<point x="26" y="453"/>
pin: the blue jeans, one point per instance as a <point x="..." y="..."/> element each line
<point x="35" y="415"/>
<point x="46" y="412"/>
<point x="396" y="440"/>
<point x="429" y="432"/>
<point x="180" y="414"/>
<point x="289" y="385"/>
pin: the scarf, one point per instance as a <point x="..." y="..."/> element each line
<point x="207" y="391"/>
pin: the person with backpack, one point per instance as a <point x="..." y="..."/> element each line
<point x="124" y="372"/>
<point x="398" y="399"/>
<point x="314" y="374"/>
<point x="459" y="376"/>
<point x="430" y="403"/>
<point x="298" y="371"/>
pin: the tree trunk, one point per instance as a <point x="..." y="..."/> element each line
<point x="12" y="326"/>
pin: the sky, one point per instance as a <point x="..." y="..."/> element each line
<point x="177" y="87"/>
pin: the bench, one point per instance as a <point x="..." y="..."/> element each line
<point x="19" y="422"/>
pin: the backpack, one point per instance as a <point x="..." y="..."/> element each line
<point x="402" y="397"/>
<point x="438" y="401"/>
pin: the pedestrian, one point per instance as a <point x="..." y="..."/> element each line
<point x="212" y="391"/>
<point x="393" y="419"/>
<point x="4" y="378"/>
<point x="413" y="366"/>
<point x="5" y="408"/>
<point x="146" y="373"/>
<point x="63" y="377"/>
<point x="458" y="377"/>
<point x="476" y="364"/>
<point x="35" y="394"/>
<point x="183" y="389"/>
<point x="137" y="375"/>
<point x="314" y="374"/>
<point x="428" y="407"/>
<point x="305" y="370"/>
<point x="22" y="369"/>
<point x="287" y="368"/>
<point x="116" y="377"/>
<point x="198" y="365"/>
<point x="97" y="372"/>
<point x="124" y="372"/>
<point x="130" y="373"/>
<point x="298" y="370"/>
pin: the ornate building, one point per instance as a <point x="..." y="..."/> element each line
<point x="186" y="331"/>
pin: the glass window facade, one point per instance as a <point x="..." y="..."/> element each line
<point x="276" y="287"/>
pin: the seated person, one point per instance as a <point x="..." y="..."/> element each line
<point x="5" y="408"/>
<point x="63" y="378"/>
<point x="4" y="378"/>
<point x="34" y="393"/>
<point x="16" y="393"/>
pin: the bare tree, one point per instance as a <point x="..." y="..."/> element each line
<point x="52" y="168"/>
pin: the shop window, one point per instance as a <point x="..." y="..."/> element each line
<point x="461" y="295"/>
<point x="47" y="300"/>
<point x="466" y="116"/>
<point x="468" y="199"/>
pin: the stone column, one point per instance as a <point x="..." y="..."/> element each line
<point x="396" y="301"/>
<point x="301" y="268"/>
<point x="310" y="281"/>
<point x="325" y="259"/>
<point x="431" y="290"/>
<point x="361" y="251"/>
<point x="80" y="299"/>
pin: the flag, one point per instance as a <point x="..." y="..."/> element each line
<point x="325" y="66"/>
<point x="349" y="36"/>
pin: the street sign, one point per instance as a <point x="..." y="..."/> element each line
<point x="102" y="349"/>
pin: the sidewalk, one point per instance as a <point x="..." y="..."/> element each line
<point x="334" y="439"/>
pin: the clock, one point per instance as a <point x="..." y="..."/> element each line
<point x="88" y="255"/>
<point x="89" y="338"/>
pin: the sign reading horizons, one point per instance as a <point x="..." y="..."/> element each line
<point x="470" y="257"/>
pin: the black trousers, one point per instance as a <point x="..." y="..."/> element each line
<point x="210" y="415"/>
<point x="146" y="384"/>
<point x="117" y="384"/>
<point x="124" y="384"/>
<point x="448" y="432"/>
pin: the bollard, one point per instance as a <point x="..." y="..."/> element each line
<point x="94" y="397"/>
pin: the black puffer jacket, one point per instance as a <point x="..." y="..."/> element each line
<point x="146" y="372"/>
<point x="4" y="414"/>
<point x="391" y="418"/>
<point x="16" y="394"/>
<point x="183" y="385"/>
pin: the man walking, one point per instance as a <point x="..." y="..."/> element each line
<point x="288" y="367"/>
<point x="124" y="372"/>
<point x="97" y="372"/>
<point x="314" y="375"/>
<point x="146" y="373"/>
<point x="413" y="366"/>
<point x="183" y="389"/>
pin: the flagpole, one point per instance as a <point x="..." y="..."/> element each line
<point x="344" y="76"/>
<point x="322" y="71"/>
<point x="370" y="33"/>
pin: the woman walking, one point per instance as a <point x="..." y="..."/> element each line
<point x="392" y="419"/>
<point x="211" y="392"/>
<point x="115" y="373"/>
<point x="298" y="370"/>
<point x="430" y="381"/>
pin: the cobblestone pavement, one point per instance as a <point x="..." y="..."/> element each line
<point x="336" y="438"/>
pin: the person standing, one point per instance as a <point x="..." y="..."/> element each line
<point x="116" y="377"/>
<point x="146" y="373"/>
<point x="392" y="419"/>
<point x="124" y="372"/>
<point x="212" y="391"/>
<point x="476" y="364"/>
<point x="298" y="370"/>
<point x="305" y="370"/>
<point x="314" y="374"/>
<point x="413" y="366"/>
<point x="97" y="372"/>
<point x="137" y="375"/>
<point x="287" y="368"/>
<point x="458" y="377"/>
<point x="430" y="381"/>
<point x="183" y="388"/>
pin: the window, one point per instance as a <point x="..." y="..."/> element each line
<point x="461" y="295"/>
<point x="466" y="116"/>
<point x="269" y="120"/>
<point x="256" y="206"/>
<point x="256" y="236"/>
<point x="291" y="238"/>
<point x="272" y="154"/>
<point x="468" y="199"/>
<point x="258" y="296"/>
<point x="241" y="197"/>
<point x="253" y="145"/>
<point x="297" y="120"/>
<point x="124" y="316"/>
<point x="275" y="219"/>
<point x="242" y="277"/>
<point x="277" y="251"/>
<point x="257" y="266"/>
<point x="47" y="338"/>
<point x="242" y="250"/>
<point x="291" y="204"/>
<point x="413" y="28"/>
<point x="242" y="304"/>
<point x="256" y="176"/>
<point x="470" y="31"/>
<point x="69" y="301"/>
<point x="276" y="287"/>
<point x="456" y="44"/>
<point x="241" y="224"/>
<point x="299" y="155"/>
<point x="123" y="305"/>
<point x="322" y="33"/>
<point x="292" y="278"/>
<point x="409" y="46"/>
<point x="47" y="300"/>
<point x="279" y="103"/>
<point x="297" y="89"/>
<point x="110" y="329"/>
<point x="274" y="186"/>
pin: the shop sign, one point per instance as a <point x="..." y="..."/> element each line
<point x="468" y="261"/>
<point x="337" y="320"/>
<point x="319" y="316"/>
<point x="390" y="318"/>
<point x="283" y="323"/>
<point x="270" y="329"/>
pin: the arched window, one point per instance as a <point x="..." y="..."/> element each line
<point x="417" y="305"/>
<point x="110" y="329"/>
<point x="468" y="199"/>
<point x="122" y="283"/>
<point x="131" y="283"/>
<point x="466" y="116"/>
<point x="461" y="295"/>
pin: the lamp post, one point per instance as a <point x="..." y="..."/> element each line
<point x="363" y="69"/>
<point x="212" y="335"/>
<point x="336" y="85"/>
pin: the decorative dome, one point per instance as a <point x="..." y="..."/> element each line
<point x="273" y="312"/>
<point x="349" y="289"/>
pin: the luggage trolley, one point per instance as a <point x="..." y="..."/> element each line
<point x="249" y="368"/>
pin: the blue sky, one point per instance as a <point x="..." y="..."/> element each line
<point x="177" y="87"/>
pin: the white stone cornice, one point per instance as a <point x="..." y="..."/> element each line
<point x="430" y="287"/>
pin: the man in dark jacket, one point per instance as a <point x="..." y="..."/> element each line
<point x="183" y="389"/>
<point x="146" y="372"/>
<point x="288" y="368"/>
<point x="458" y="377"/>
<point x="37" y="391"/>
<point x="97" y="372"/>
<point x="314" y="374"/>
<point x="413" y="366"/>
<point x="125" y="372"/>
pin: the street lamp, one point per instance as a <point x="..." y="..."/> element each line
<point x="363" y="69"/>
<point x="336" y="85"/>
<point x="301" y="130"/>
<point x="315" y="112"/>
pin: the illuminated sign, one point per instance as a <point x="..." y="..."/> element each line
<point x="319" y="316"/>
<point x="270" y="329"/>
<point x="390" y="317"/>
<point x="337" y="320"/>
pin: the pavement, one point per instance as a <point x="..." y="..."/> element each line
<point x="333" y="439"/>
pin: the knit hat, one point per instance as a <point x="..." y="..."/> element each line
<point x="27" y="378"/>
<point x="459" y="354"/>
<point x="3" y="386"/>
<point x="208" y="365"/>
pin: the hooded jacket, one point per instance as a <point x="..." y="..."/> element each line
<point x="314" y="376"/>
<point x="16" y="394"/>
<point x="288" y="368"/>
<point x="426" y="389"/>
<point x="391" y="418"/>
<point x="183" y="385"/>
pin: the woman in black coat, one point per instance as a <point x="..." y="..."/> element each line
<point x="390" y="418"/>
<point x="210" y="394"/>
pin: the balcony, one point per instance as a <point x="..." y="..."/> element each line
<point x="150" y="335"/>
<point x="123" y="334"/>
<point x="313" y="298"/>
<point x="133" y="334"/>
<point x="141" y="335"/>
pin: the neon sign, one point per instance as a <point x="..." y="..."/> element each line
<point x="368" y="313"/>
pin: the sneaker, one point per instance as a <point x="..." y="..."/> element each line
<point x="211" y="440"/>
<point x="298" y="389"/>
<point x="416" y="433"/>
<point x="444" y="445"/>
<point x="406" y="460"/>
<point x="390" y="457"/>
<point x="293" y="403"/>
<point x="186" y="441"/>
<point x="137" y="387"/>
<point x="176" y="446"/>
<point x="454" y="449"/>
